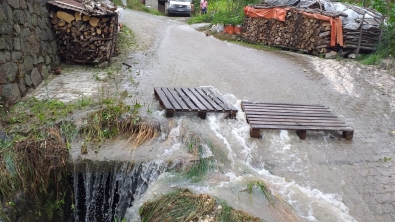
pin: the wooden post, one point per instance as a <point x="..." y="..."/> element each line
<point x="348" y="135"/>
<point x="360" y="35"/>
<point x="255" y="133"/>
<point x="202" y="115"/>
<point x="169" y="113"/>
<point x="302" y="134"/>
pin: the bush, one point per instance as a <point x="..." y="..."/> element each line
<point x="386" y="48"/>
<point x="222" y="11"/>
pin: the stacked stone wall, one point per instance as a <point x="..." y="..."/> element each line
<point x="27" y="47"/>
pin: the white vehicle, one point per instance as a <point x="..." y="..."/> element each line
<point x="178" y="7"/>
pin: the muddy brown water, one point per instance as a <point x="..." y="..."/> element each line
<point x="323" y="178"/>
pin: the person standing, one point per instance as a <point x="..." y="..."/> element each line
<point x="203" y="6"/>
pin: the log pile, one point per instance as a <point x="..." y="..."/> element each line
<point x="298" y="32"/>
<point x="369" y="38"/>
<point x="84" y="38"/>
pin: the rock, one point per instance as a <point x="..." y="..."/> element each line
<point x="3" y="43"/>
<point x="22" y="87"/>
<point x="4" y="56"/>
<point x="54" y="47"/>
<point x="38" y="32"/>
<point x="217" y="28"/>
<point x="13" y="3"/>
<point x="37" y="8"/>
<point x="30" y="7"/>
<point x="103" y="65"/>
<point x="33" y="40"/>
<point x="17" y="29"/>
<point x="2" y="13"/>
<point x="7" y="12"/>
<point x="16" y="56"/>
<point x="21" y="71"/>
<point x="17" y="43"/>
<point x="28" y="62"/>
<point x="29" y="21"/>
<point x="19" y="17"/>
<point x="25" y="33"/>
<point x="28" y="80"/>
<point x="6" y="29"/>
<point x="8" y="72"/>
<point x="22" y="4"/>
<point x="47" y="35"/>
<point x="35" y="59"/>
<point x="40" y="59"/>
<point x="47" y="60"/>
<point x="331" y="55"/>
<point x="45" y="47"/>
<point x="44" y="72"/>
<point x="351" y="56"/>
<point x="36" y="77"/>
<point x="33" y="19"/>
<point x="11" y="92"/>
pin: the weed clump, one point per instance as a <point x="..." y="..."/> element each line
<point x="182" y="205"/>
<point x="28" y="161"/>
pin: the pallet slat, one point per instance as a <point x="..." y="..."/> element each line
<point x="299" y="117"/>
<point x="190" y="104"/>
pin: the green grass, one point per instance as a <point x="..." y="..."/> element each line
<point x="222" y="11"/>
<point x="182" y="205"/>
<point x="196" y="146"/>
<point x="138" y="6"/>
<point x="126" y="39"/>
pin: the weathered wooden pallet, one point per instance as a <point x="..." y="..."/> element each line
<point x="201" y="100"/>
<point x="283" y="116"/>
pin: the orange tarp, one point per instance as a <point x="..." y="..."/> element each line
<point x="276" y="13"/>
<point x="280" y="14"/>
<point x="336" y="24"/>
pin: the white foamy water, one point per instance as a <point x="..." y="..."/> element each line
<point x="246" y="157"/>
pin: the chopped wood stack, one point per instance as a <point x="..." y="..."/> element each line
<point x="83" y="38"/>
<point x="298" y="32"/>
<point x="369" y="38"/>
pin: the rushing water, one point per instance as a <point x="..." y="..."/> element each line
<point x="102" y="193"/>
<point x="244" y="161"/>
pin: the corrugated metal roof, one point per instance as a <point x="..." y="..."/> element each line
<point x="76" y="6"/>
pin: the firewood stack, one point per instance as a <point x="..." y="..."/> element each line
<point x="298" y="32"/>
<point x="370" y="38"/>
<point x="83" y="38"/>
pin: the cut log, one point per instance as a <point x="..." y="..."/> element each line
<point x="61" y="23"/>
<point x="65" y="16"/>
<point x="85" y="18"/>
<point x="104" y="19"/>
<point x="93" y="21"/>
<point x="77" y="16"/>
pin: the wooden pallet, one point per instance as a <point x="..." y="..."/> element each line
<point x="201" y="100"/>
<point x="282" y="116"/>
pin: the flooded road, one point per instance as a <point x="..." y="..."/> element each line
<point x="323" y="178"/>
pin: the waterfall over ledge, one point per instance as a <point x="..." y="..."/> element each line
<point x="103" y="191"/>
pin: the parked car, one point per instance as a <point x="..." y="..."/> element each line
<point x="178" y="7"/>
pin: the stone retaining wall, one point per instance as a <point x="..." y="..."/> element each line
<point x="27" y="47"/>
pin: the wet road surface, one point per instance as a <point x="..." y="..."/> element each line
<point x="359" y="174"/>
<point x="358" y="171"/>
